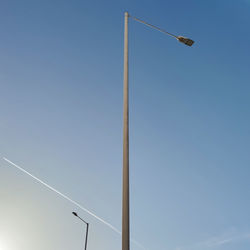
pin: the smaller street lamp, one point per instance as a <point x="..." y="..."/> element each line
<point x="87" y="229"/>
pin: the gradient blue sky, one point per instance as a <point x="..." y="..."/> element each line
<point x="61" y="69"/>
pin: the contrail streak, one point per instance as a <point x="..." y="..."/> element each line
<point x="72" y="201"/>
<point x="64" y="196"/>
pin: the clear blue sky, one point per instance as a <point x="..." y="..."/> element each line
<point x="61" y="71"/>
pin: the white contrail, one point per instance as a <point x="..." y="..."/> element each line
<point x="72" y="201"/>
<point x="64" y="196"/>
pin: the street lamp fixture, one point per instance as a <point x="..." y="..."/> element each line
<point x="125" y="174"/>
<point x="185" y="40"/>
<point x="87" y="229"/>
<point x="181" y="39"/>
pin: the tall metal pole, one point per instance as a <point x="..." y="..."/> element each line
<point x="125" y="187"/>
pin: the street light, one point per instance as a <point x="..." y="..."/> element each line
<point x="125" y="174"/>
<point x="181" y="39"/>
<point x="87" y="229"/>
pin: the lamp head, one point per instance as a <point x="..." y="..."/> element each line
<point x="74" y="213"/>
<point x="185" y="40"/>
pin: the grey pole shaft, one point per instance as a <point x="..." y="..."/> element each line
<point x="86" y="239"/>
<point x="125" y="188"/>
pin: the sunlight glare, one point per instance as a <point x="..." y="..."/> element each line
<point x="2" y="245"/>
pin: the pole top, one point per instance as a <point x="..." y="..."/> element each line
<point x="126" y="14"/>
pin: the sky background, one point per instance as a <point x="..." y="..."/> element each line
<point x="61" y="78"/>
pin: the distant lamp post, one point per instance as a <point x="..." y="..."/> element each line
<point x="87" y="229"/>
